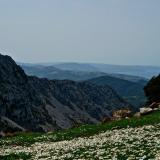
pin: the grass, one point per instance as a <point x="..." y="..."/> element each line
<point x="18" y="156"/>
<point x="83" y="131"/>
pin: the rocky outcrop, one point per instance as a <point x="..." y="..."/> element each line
<point x="145" y="110"/>
<point x="42" y="105"/>
<point x="148" y="109"/>
<point x="122" y="113"/>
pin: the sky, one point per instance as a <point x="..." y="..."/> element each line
<point x="101" y="31"/>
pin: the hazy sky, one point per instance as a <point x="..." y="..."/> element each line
<point x="108" y="31"/>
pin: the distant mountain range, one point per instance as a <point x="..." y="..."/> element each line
<point x="141" y="71"/>
<point x="129" y="87"/>
<point x="138" y="71"/>
<point x="77" y="67"/>
<point x="38" y="104"/>
<point x="51" y="72"/>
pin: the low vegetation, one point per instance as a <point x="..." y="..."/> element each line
<point x="134" y="137"/>
<point x="83" y="131"/>
<point x="15" y="156"/>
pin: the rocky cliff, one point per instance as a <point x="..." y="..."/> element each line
<point x="42" y="105"/>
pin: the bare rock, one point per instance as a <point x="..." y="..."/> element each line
<point x="122" y="113"/>
<point x="145" y="110"/>
<point x="137" y="115"/>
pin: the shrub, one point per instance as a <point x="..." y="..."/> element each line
<point x="152" y="90"/>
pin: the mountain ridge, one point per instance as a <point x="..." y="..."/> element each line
<point x="133" y="70"/>
<point x="43" y="105"/>
<point x="51" y="72"/>
<point x="132" y="92"/>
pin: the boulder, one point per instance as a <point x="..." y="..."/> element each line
<point x="145" y="110"/>
<point x="137" y="115"/>
<point x="122" y="113"/>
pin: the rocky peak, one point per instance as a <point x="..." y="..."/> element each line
<point x="10" y="72"/>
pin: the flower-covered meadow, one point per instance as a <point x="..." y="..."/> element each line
<point x="131" y="143"/>
<point x="128" y="139"/>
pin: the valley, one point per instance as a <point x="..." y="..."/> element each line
<point x="93" y="117"/>
<point x="128" y="87"/>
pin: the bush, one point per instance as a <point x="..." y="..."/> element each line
<point x="152" y="90"/>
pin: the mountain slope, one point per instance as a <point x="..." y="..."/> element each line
<point x="43" y="105"/>
<point x="130" y="91"/>
<point x="130" y="78"/>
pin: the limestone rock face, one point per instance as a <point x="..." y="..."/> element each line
<point x="46" y="105"/>
<point x="145" y="110"/>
